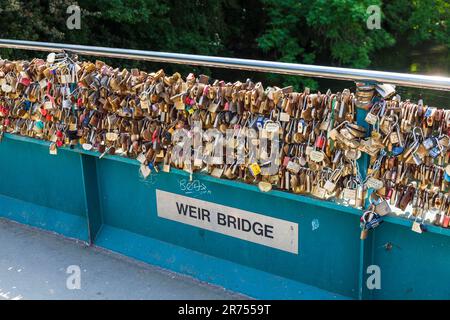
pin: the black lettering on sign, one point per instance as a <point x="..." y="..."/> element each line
<point x="206" y="214"/>
<point x="227" y="220"/>
<point x="182" y="209"/>
<point x="231" y="221"/>
<point x="268" y="231"/>
<point x="258" y="229"/>
<point x="221" y="219"/>
<point x="192" y="212"/>
<point x="246" y="225"/>
<point x="241" y="224"/>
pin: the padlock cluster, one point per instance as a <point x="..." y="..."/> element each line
<point x="135" y="114"/>
<point x="409" y="167"/>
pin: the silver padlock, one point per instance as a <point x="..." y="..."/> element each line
<point x="385" y="90"/>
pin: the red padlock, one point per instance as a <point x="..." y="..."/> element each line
<point x="135" y="146"/>
<point x="25" y="81"/>
<point x="59" y="134"/>
<point x="206" y="90"/>
<point x="59" y="143"/>
<point x="3" y="111"/>
<point x="155" y="135"/>
<point x="320" y="142"/>
<point x="43" y="111"/>
<point x="446" y="221"/>
<point x="388" y="194"/>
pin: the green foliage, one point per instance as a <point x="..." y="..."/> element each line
<point x="331" y="28"/>
<point x="419" y="20"/>
<point x="283" y="39"/>
<point x="313" y="31"/>
<point x="324" y="32"/>
<point x="342" y="31"/>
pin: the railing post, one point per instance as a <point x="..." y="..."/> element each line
<point x="91" y="195"/>
<point x="366" y="245"/>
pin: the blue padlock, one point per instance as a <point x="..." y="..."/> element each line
<point x="397" y="150"/>
<point x="260" y="120"/>
<point x="374" y="222"/>
<point x="85" y="122"/>
<point x="446" y="177"/>
<point x="434" y="152"/>
<point x="423" y="227"/>
<point x="153" y="167"/>
<point x="300" y="125"/>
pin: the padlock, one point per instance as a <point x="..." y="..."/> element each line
<point x="446" y="221"/>
<point x="382" y="207"/>
<point x="53" y="150"/>
<point x="364" y="234"/>
<point x="317" y="189"/>
<point x="434" y="152"/>
<point x="372" y="115"/>
<point x="329" y="186"/>
<point x="429" y="143"/>
<point x="320" y="142"/>
<point x="145" y="171"/>
<point x="385" y="90"/>
<point x="374" y="222"/>
<point x="254" y="169"/>
<point x="417" y="227"/>
<point x="293" y="165"/>
<point x="350" y="192"/>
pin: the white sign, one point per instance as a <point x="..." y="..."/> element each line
<point x="245" y="225"/>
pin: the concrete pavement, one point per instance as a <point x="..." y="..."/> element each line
<point x="36" y="264"/>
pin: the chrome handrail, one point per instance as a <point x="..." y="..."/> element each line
<point x="401" y="79"/>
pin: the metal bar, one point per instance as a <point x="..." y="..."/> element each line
<point x="402" y="79"/>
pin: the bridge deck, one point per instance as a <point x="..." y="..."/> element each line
<point x="33" y="265"/>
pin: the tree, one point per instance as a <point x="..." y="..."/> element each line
<point x="321" y="31"/>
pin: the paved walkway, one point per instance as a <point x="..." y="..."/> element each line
<point x="34" y="265"/>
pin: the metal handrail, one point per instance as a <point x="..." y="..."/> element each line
<point x="402" y="79"/>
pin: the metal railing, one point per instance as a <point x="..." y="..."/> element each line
<point x="401" y="79"/>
